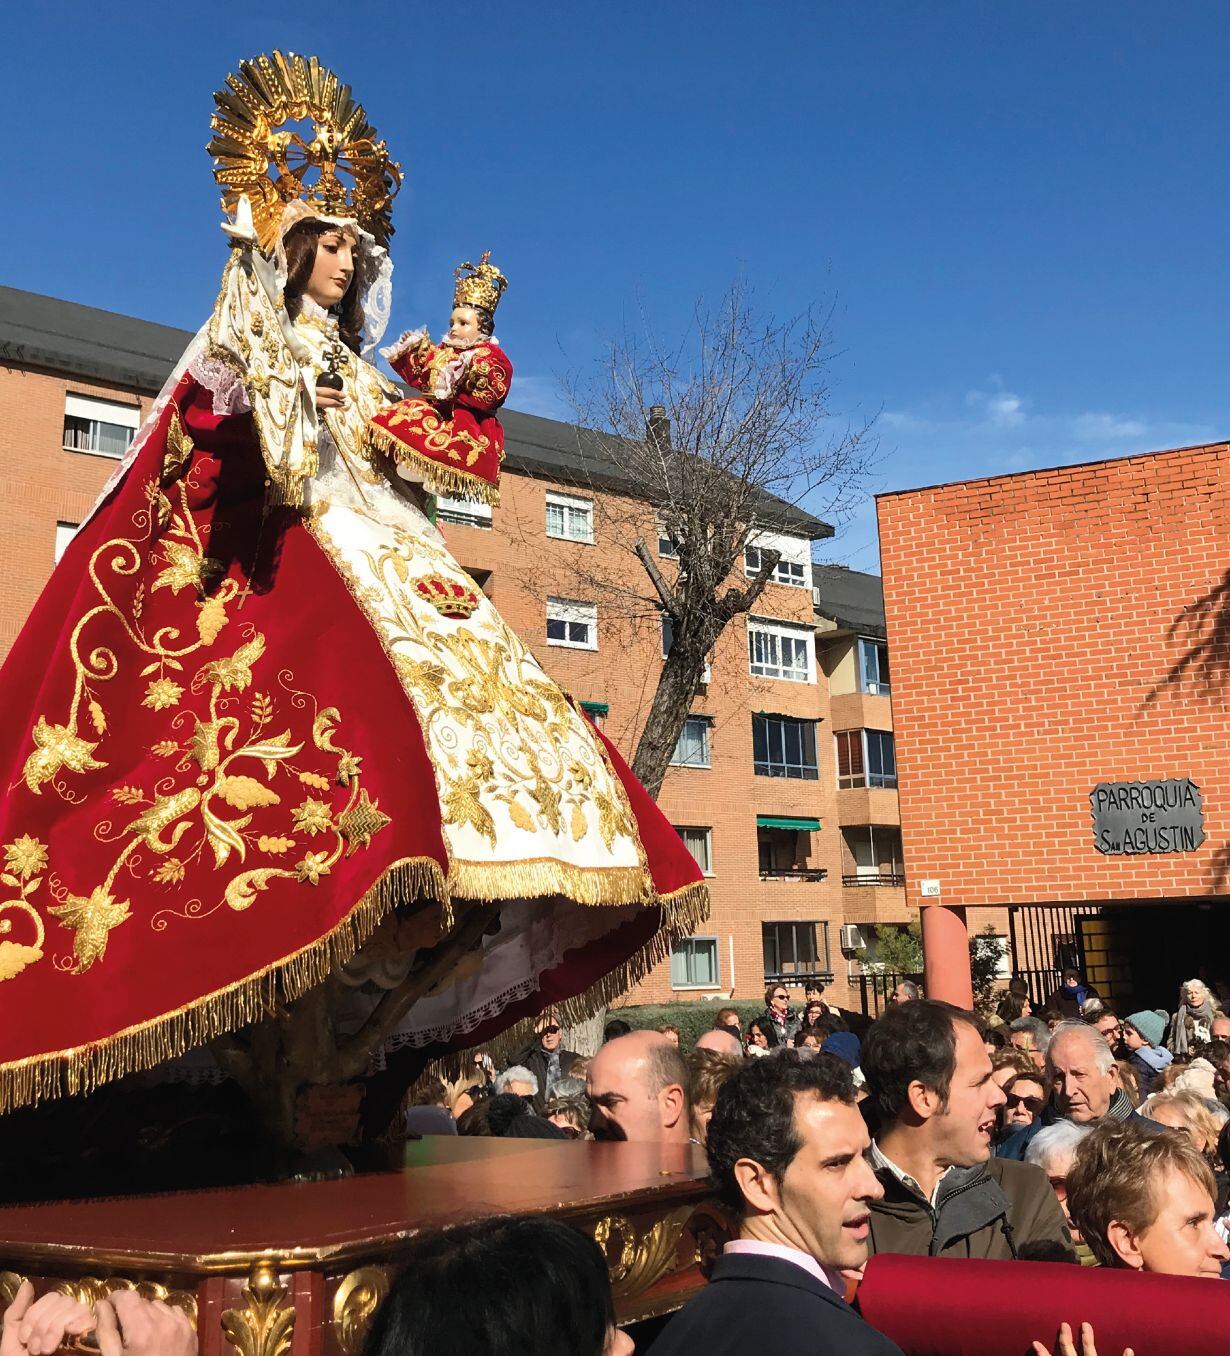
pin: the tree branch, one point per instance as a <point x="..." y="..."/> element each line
<point x="734" y="600"/>
<point x="669" y="599"/>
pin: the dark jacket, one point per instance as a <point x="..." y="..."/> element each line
<point x="1015" y="1145"/>
<point x="760" y="1304"/>
<point x="996" y="1211"/>
<point x="536" y="1060"/>
<point x="785" y="1028"/>
<point x="1065" y="1001"/>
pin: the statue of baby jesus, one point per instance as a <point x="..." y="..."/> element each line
<point x="449" y="439"/>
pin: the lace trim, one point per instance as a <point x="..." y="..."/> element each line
<point x="408" y="340"/>
<point x="224" y="384"/>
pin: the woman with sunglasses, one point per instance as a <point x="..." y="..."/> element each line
<point x="1026" y="1096"/>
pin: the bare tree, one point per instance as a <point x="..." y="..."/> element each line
<point x="720" y="433"/>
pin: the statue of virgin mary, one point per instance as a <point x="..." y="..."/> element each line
<point x="266" y="746"/>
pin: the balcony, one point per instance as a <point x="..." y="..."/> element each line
<point x="894" y="878"/>
<point x="805" y="873"/>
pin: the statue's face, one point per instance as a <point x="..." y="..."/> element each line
<point x="332" y="270"/>
<point x="463" y="325"/>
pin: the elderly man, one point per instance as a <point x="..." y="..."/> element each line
<point x="637" y="1086"/>
<point x="722" y="1041"/>
<point x="517" y="1078"/>
<point x="546" y="1059"/>
<point x="906" y="992"/>
<point x="1220" y="1029"/>
<point x="786" y="1146"/>
<point x="929" y="1076"/>
<point x="1084" y="1085"/>
<point x="1142" y="1198"/>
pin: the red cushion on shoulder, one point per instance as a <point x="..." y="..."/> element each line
<point x="933" y="1306"/>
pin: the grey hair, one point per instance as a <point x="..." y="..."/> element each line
<point x="1103" y="1055"/>
<point x="1195" y="984"/>
<point x="1054" y="1141"/>
<point x="911" y="988"/>
<point x="1037" y="1028"/>
<point x="517" y="1074"/>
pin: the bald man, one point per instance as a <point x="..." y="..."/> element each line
<point x="721" y="1040"/>
<point x="637" y="1088"/>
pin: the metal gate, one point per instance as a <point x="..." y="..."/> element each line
<point x="1046" y="939"/>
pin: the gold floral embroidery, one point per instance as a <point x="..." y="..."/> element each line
<point x="91" y="919"/>
<point x="24" y="859"/>
<point x="221" y="802"/>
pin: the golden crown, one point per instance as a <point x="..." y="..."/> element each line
<point x="480" y="284"/>
<point x="258" y="157"/>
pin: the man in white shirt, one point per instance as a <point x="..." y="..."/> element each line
<point x="786" y="1145"/>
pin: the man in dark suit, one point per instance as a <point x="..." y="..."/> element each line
<point x="786" y="1146"/>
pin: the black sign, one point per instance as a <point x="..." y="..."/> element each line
<point x="1132" y="818"/>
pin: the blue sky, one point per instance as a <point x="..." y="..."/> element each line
<point x="1018" y="211"/>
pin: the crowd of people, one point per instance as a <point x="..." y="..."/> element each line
<point x="1075" y="1136"/>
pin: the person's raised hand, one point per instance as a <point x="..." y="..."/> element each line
<point x="1065" y="1346"/>
<point x="38" y="1327"/>
<point x="131" y="1326"/>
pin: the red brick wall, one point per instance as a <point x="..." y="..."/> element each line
<point x="1033" y="620"/>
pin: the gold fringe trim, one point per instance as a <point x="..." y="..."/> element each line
<point x="535" y="877"/>
<point x="683" y="911"/>
<point x="440" y="479"/>
<point x="86" y="1067"/>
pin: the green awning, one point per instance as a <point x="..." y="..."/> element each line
<point x="597" y="708"/>
<point x="785" y="822"/>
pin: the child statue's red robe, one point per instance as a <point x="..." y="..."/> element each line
<point x="450" y="438"/>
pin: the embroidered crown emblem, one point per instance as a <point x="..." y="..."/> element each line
<point x="447" y="596"/>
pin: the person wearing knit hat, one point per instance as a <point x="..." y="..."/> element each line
<point x="1143" y="1034"/>
<point x="845" y="1045"/>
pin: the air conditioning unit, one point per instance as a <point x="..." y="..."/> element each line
<point x="852" y="938"/>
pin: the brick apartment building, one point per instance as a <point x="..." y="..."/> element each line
<point x="1061" y="653"/>
<point x="797" y="694"/>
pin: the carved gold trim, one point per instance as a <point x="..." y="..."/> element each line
<point x="355" y="1300"/>
<point x="90" y="1289"/>
<point x="642" y="1259"/>
<point x="266" y="1325"/>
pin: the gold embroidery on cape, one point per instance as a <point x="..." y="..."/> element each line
<point x="232" y="765"/>
<point x="547" y="773"/>
<point x="24" y="861"/>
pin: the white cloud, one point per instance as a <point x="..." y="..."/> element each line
<point x="993" y="430"/>
<point x="539" y="395"/>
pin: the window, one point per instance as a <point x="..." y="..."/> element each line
<point x="668" y="639"/>
<point x="65" y="532"/>
<point x="875" y="850"/>
<point x="784" y="747"/>
<point x="103" y="427"/>
<point x="783" y="847"/>
<point x="666" y="547"/>
<point x="792" y="572"/>
<point x="462" y="512"/>
<point x="778" y="650"/>
<point x="866" y="758"/>
<point x="699" y="842"/>
<point x="873" y="667"/>
<point x="694" y="963"/>
<point x="795" y="952"/>
<point x="572" y="624"/>
<point x="692" y="746"/>
<point x="569" y="518"/>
